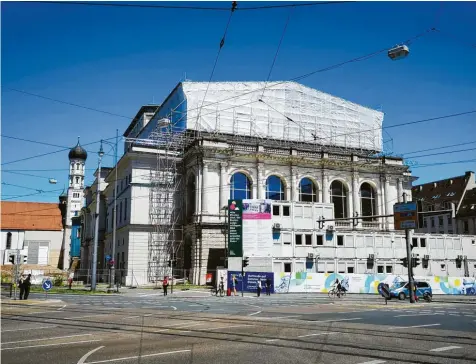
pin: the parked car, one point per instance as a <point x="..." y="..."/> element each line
<point x="401" y="290"/>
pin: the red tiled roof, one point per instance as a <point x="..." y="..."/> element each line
<point x="30" y="216"/>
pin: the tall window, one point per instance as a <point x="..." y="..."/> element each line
<point x="307" y="191"/>
<point x="240" y="186"/>
<point x="125" y="209"/>
<point x="367" y="202"/>
<point x="9" y="241"/>
<point x="339" y="199"/>
<point x="274" y="188"/>
<point x="77" y="166"/>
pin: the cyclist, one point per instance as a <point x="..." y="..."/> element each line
<point x="221" y="286"/>
<point x="338" y="285"/>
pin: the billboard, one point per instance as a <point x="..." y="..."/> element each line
<point x="250" y="281"/>
<point x="257" y="228"/>
<point x="250" y="228"/>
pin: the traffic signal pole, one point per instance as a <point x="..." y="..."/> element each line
<point x="409" y="259"/>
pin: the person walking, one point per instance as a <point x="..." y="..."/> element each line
<point x="165" y="285"/>
<point x="27" y="285"/>
<point x="268" y="286"/>
<point x="233" y="284"/>
<point x="21" y="285"/>
<point x="258" y="288"/>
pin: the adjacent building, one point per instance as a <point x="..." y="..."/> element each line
<point x="33" y="230"/>
<point x="447" y="206"/>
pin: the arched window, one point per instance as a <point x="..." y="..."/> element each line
<point x="77" y="166"/>
<point x="307" y="191"/>
<point x="274" y="188"/>
<point x="191" y="191"/>
<point x="9" y="241"/>
<point x="367" y="201"/>
<point x="339" y="199"/>
<point x="240" y="186"/>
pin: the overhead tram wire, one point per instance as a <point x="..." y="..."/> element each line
<point x="277" y="50"/>
<point x="222" y="43"/>
<point x="444" y="163"/>
<point x="31" y="194"/>
<point x="50" y="153"/>
<point x="175" y="7"/>
<point x="437" y="148"/>
<point x="440" y="153"/>
<point x="275" y="84"/>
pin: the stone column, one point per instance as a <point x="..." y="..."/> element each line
<point x="356" y="196"/>
<point x="261" y="192"/>
<point x="223" y="200"/>
<point x="400" y="189"/>
<point x="204" y="188"/>
<point x="294" y="188"/>
<point x="385" y="186"/>
<point x="325" y="187"/>
<point x="198" y="196"/>
<point x="388" y="202"/>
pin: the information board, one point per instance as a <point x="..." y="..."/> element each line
<point x="405" y="215"/>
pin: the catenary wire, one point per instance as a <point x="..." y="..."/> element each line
<point x="437" y="148"/>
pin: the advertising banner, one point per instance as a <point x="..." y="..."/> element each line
<point x="257" y="228"/>
<point x="303" y="282"/>
<point x="250" y="282"/>
<point x="235" y="228"/>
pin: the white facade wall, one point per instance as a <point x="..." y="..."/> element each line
<point x="49" y="251"/>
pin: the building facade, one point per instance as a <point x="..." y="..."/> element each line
<point x="312" y="154"/>
<point x="34" y="230"/>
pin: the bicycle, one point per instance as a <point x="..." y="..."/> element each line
<point x="218" y="290"/>
<point x="335" y="292"/>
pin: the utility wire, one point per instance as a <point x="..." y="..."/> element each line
<point x="29" y="194"/>
<point x="277" y="50"/>
<point x="67" y="103"/>
<point x="25" y="174"/>
<point x="222" y="43"/>
<point x="122" y="5"/>
<point x="440" y="153"/>
<point x="444" y="163"/>
<point x="436" y="148"/>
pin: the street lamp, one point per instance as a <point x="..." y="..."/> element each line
<point x="96" y="227"/>
<point x="112" y="276"/>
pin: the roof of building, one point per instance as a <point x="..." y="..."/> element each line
<point x="445" y="190"/>
<point x="468" y="205"/>
<point x="78" y="152"/>
<point x="142" y="110"/>
<point x="31" y="216"/>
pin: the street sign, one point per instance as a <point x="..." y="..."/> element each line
<point x="384" y="290"/>
<point x="47" y="285"/>
<point x="405" y="215"/>
<point x="108" y="258"/>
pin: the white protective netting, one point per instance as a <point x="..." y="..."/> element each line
<point x="234" y="108"/>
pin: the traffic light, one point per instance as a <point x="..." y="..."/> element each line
<point x="404" y="262"/>
<point x="169" y="263"/>
<point x="246" y="262"/>
<point x="11" y="259"/>
<point x="415" y="262"/>
<point x="25" y="258"/>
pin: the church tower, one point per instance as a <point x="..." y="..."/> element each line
<point x="74" y="201"/>
<point x="77" y="162"/>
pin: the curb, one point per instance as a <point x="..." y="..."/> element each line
<point x="29" y="302"/>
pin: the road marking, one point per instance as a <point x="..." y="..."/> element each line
<point x="130" y="317"/>
<point x="321" y="333"/>
<point x="139" y="356"/>
<point x="276" y="318"/>
<point x="175" y="308"/>
<point x="59" y="309"/>
<point x="254" y="313"/>
<point x="374" y="362"/>
<point x="78" y="317"/>
<point x="85" y="356"/>
<point x="43" y="339"/>
<point x="226" y="327"/>
<point x="446" y="348"/>
<point x="271" y="340"/>
<point x="349" y="319"/>
<point x="408" y="327"/>
<point x="416" y="314"/>
<point x="38" y="346"/>
<point x="30" y="328"/>
<point x="34" y="313"/>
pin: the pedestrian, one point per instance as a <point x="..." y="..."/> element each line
<point x="233" y="284"/>
<point x="21" y="285"/>
<point x="27" y="285"/>
<point x="268" y="286"/>
<point x="258" y="288"/>
<point x="165" y="284"/>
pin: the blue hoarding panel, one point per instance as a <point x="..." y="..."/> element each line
<point x="250" y="281"/>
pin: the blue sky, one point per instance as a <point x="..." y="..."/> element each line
<point x="117" y="59"/>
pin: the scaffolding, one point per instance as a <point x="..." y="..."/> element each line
<point x="165" y="199"/>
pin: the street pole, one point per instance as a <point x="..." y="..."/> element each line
<point x="96" y="227"/>
<point x="242" y="277"/>
<point x="409" y="256"/>
<point x="172" y="268"/>
<point x="114" y="217"/>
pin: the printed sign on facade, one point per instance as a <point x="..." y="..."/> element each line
<point x="405" y="215"/>
<point x="257" y="228"/>
<point x="235" y="228"/>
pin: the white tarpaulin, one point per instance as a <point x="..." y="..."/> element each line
<point x="288" y="111"/>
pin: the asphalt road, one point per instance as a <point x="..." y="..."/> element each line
<point x="193" y="327"/>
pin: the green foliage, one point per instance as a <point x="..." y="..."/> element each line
<point x="58" y="281"/>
